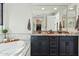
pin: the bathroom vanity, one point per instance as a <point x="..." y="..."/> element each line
<point x="54" y="45"/>
<point x="53" y="33"/>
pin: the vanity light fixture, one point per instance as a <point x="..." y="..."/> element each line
<point x="43" y="8"/>
<point x="71" y="8"/>
<point x="55" y="8"/>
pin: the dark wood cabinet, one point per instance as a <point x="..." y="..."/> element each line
<point x="44" y="46"/>
<point x="68" y="46"/>
<point x="54" y="45"/>
<point x="39" y="46"/>
<point x="35" y="46"/>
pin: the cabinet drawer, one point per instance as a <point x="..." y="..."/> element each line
<point x="53" y="54"/>
<point x="53" y="43"/>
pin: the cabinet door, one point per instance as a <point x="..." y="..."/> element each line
<point x="35" y="46"/>
<point x="39" y="46"/>
<point x="54" y="45"/>
<point x="67" y="45"/>
<point x="44" y="46"/>
<point x="75" y="40"/>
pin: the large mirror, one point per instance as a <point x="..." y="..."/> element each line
<point x="50" y="16"/>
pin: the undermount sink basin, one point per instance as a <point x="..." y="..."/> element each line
<point x="58" y="32"/>
<point x="65" y="32"/>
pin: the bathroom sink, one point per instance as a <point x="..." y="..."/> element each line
<point x="58" y="32"/>
<point x="63" y="32"/>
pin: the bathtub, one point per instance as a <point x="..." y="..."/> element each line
<point x="16" y="48"/>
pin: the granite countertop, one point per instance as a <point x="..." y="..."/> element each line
<point x="55" y="34"/>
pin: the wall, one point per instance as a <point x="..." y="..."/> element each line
<point x="16" y="17"/>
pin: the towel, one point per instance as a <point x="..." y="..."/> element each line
<point x="77" y="24"/>
<point x="29" y="25"/>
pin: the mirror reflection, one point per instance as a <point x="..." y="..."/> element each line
<point x="54" y="17"/>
